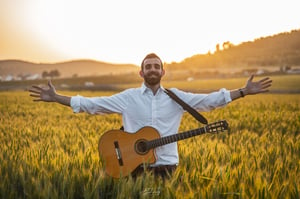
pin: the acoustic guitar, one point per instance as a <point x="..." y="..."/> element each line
<point x="123" y="152"/>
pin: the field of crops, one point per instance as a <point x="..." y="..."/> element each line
<point x="46" y="151"/>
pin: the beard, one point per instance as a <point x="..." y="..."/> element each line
<point x="152" y="78"/>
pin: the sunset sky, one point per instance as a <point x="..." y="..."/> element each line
<point x="124" y="31"/>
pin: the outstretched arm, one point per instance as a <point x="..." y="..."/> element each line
<point x="252" y="88"/>
<point x="48" y="95"/>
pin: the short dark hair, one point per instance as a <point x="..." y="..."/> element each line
<point x="151" y="55"/>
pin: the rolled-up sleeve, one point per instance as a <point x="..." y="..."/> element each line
<point x="226" y="95"/>
<point x="75" y="103"/>
<point x="99" y="105"/>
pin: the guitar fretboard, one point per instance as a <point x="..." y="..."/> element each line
<point x="210" y="128"/>
<point x="174" y="138"/>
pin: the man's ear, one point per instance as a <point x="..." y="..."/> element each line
<point x="163" y="72"/>
<point x="141" y="73"/>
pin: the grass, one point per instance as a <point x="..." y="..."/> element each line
<point x="49" y="152"/>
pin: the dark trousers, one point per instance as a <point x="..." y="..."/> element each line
<point x="162" y="171"/>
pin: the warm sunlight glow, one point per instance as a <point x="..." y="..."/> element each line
<point x="120" y="31"/>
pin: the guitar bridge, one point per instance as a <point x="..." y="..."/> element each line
<point x="118" y="153"/>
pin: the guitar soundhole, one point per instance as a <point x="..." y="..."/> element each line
<point x="141" y="147"/>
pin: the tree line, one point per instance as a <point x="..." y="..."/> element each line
<point x="51" y="74"/>
<point x="278" y="50"/>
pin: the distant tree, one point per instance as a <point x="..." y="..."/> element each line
<point x="218" y="48"/>
<point x="51" y="74"/>
<point x="54" y="73"/>
<point x="45" y="74"/>
<point x="227" y="45"/>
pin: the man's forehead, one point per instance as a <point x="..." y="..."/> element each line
<point x="152" y="61"/>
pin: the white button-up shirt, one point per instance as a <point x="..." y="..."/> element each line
<point x="139" y="108"/>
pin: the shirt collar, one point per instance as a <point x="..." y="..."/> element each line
<point x="144" y="88"/>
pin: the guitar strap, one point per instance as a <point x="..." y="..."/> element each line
<point x="187" y="107"/>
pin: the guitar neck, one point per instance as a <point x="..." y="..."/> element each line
<point x="215" y="127"/>
<point x="174" y="138"/>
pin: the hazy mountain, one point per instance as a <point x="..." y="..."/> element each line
<point x="278" y="50"/>
<point x="66" y="69"/>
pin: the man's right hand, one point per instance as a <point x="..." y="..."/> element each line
<point x="49" y="95"/>
<point x="43" y="94"/>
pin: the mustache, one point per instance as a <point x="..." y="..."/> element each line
<point x="153" y="73"/>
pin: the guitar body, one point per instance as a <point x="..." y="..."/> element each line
<point x="123" y="152"/>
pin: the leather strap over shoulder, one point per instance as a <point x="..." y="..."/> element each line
<point x="187" y="107"/>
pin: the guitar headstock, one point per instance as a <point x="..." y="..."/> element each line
<point x="216" y="127"/>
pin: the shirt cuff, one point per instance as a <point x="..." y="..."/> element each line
<point x="226" y="95"/>
<point x="75" y="103"/>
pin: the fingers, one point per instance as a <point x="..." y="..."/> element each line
<point x="38" y="97"/>
<point x="265" y="83"/>
<point x="268" y="83"/>
<point x="39" y="93"/>
<point x="50" y="84"/>
<point x="264" y="79"/>
<point x="37" y="100"/>
<point x="265" y="86"/>
<point x="250" y="78"/>
<point x="34" y="95"/>
<point x="40" y="88"/>
<point x="34" y="91"/>
<point x="37" y="87"/>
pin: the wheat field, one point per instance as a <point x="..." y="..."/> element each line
<point x="46" y="151"/>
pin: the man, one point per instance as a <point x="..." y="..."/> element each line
<point x="149" y="105"/>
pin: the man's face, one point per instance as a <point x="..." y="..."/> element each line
<point x="152" y="71"/>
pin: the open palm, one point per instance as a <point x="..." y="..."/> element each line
<point x="260" y="86"/>
<point x="43" y="94"/>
